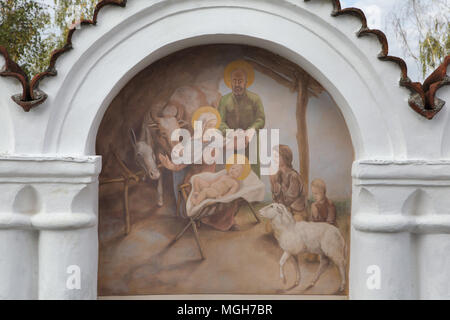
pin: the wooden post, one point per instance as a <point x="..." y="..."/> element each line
<point x="126" y="181"/>
<point x="179" y="210"/>
<point x="302" y="128"/>
<point x="126" y="207"/>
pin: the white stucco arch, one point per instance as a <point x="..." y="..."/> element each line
<point x="105" y="65"/>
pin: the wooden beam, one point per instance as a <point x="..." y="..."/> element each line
<point x="126" y="207"/>
<point x="302" y="129"/>
<point x="272" y="74"/>
<point x="124" y="167"/>
<point x="280" y="69"/>
<point x="275" y="62"/>
<point x="111" y="181"/>
<point x="314" y="87"/>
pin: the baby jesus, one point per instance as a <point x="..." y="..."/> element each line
<point x="222" y="186"/>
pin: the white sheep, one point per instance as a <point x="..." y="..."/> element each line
<point x="294" y="238"/>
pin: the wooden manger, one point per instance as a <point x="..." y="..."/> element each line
<point x="127" y="179"/>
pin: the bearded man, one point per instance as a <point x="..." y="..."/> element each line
<point x="242" y="109"/>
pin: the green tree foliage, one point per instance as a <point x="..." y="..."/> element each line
<point x="423" y="28"/>
<point x="434" y="47"/>
<point x="21" y="25"/>
<point x="31" y="30"/>
<point x="67" y="13"/>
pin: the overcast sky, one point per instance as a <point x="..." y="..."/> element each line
<point x="377" y="12"/>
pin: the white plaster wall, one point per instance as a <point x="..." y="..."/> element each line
<point x="382" y="126"/>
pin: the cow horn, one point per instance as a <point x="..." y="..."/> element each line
<point x="180" y="113"/>
<point x="133" y="138"/>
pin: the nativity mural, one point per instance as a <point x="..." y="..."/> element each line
<point x="226" y="170"/>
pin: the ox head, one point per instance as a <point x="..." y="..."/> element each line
<point x="145" y="156"/>
<point x="165" y="126"/>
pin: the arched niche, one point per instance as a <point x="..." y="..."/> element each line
<point x="27" y="201"/>
<point x="309" y="123"/>
<point x="418" y="203"/>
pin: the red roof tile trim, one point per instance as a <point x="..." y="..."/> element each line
<point x="423" y="96"/>
<point x="31" y="95"/>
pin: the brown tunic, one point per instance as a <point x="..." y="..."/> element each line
<point x="287" y="188"/>
<point x="324" y="212"/>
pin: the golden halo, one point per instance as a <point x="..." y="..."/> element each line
<point x="203" y="110"/>
<point x="239" y="64"/>
<point x="238" y="159"/>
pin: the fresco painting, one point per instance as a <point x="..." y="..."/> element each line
<point x="206" y="212"/>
